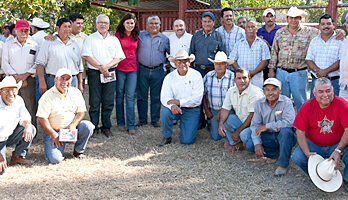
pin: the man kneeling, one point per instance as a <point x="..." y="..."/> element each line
<point x="63" y="107"/>
<point x="270" y="132"/>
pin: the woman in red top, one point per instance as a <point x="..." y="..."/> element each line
<point x="126" y="72"/>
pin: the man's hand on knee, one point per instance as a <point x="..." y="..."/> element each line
<point x="3" y="165"/>
<point x="259" y="150"/>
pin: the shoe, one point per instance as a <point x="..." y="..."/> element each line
<point x="238" y="147"/>
<point x="95" y="132"/>
<point x="155" y="124"/>
<point x="20" y="160"/>
<point x="131" y="131"/>
<point x="345" y="185"/>
<point x="107" y="133"/>
<point x="140" y="124"/>
<point x="201" y="125"/>
<point x="227" y="146"/>
<point x="122" y="128"/>
<point x="165" y="141"/>
<point x="79" y="155"/>
<point x="280" y="171"/>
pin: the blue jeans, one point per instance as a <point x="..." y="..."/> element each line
<point x="188" y="123"/>
<point x="301" y="160"/>
<point x="214" y="126"/>
<point x="295" y="83"/>
<point x="56" y="155"/>
<point x="126" y="85"/>
<point x="149" y="78"/>
<point x="100" y="95"/>
<point x="335" y="85"/>
<point x="232" y="124"/>
<point x="17" y="138"/>
<point x="274" y="144"/>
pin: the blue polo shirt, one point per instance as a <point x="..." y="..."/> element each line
<point x="268" y="36"/>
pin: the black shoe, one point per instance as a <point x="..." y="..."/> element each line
<point x="155" y="124"/>
<point x="165" y="141"/>
<point x="95" y="132"/>
<point x="107" y="133"/>
<point x="140" y="124"/>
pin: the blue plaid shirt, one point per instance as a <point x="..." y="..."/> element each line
<point x="232" y="37"/>
<point x="216" y="89"/>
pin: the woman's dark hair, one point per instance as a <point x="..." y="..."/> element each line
<point x="121" y="29"/>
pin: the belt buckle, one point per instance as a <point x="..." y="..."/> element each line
<point x="203" y="67"/>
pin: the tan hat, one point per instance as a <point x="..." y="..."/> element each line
<point x="10" y="81"/>
<point x="182" y="55"/>
<point x="295" y="12"/>
<point x="38" y="22"/>
<point x="63" y="71"/>
<point x="268" y="10"/>
<point x="221" y="57"/>
<point x="273" y="81"/>
<point x="323" y="173"/>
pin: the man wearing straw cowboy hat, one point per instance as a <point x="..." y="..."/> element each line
<point x="181" y="96"/>
<point x="322" y="128"/>
<point x="15" y="124"/>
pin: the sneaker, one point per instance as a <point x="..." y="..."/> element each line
<point x="280" y="171"/>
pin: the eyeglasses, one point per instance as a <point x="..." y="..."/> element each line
<point x="182" y="61"/>
<point x="103" y="23"/>
<point x="7" y="92"/>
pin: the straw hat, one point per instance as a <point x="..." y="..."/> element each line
<point x="182" y="55"/>
<point x="295" y="12"/>
<point x="221" y="57"/>
<point x="10" y="81"/>
<point x="38" y="22"/>
<point x="323" y="174"/>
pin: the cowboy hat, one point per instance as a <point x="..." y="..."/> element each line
<point x="221" y="57"/>
<point x="182" y="55"/>
<point x="295" y="12"/>
<point x="38" y="22"/>
<point x="10" y="81"/>
<point x="323" y="174"/>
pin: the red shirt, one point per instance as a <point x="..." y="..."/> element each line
<point x="323" y="126"/>
<point x="129" y="47"/>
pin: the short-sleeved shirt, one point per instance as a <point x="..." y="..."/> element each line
<point x="268" y="36"/>
<point x="323" y="126"/>
<point x="60" y="110"/>
<point x="104" y="50"/>
<point x="177" y="44"/>
<point x="232" y="37"/>
<point x="244" y="103"/>
<point x="129" y="46"/>
<point x="216" y="88"/>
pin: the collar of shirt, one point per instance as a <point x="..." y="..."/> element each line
<point x="263" y="28"/>
<point x="55" y="90"/>
<point x="184" y="35"/>
<point x="59" y="40"/>
<point x="206" y="35"/>
<point x="15" y="40"/>
<point x="246" y="91"/>
<point x="331" y="38"/>
<point x="100" y="36"/>
<point x="79" y="35"/>
<point x="226" y="75"/>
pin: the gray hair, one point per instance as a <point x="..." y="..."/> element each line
<point x="241" y="17"/>
<point x="100" y="16"/>
<point x="322" y="81"/>
<point x="252" y="21"/>
<point x="153" y="17"/>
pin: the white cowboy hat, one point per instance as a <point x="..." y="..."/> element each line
<point x="182" y="55"/>
<point x="295" y="12"/>
<point x="323" y="174"/>
<point x="221" y="57"/>
<point x="38" y="22"/>
<point x="63" y="71"/>
<point x="10" y="81"/>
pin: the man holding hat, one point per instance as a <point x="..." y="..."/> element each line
<point x="216" y="84"/>
<point x="15" y="124"/>
<point x="38" y="27"/>
<point x="18" y="60"/>
<point x="270" y="133"/>
<point x="63" y="107"/>
<point x="181" y="96"/>
<point x="322" y="128"/>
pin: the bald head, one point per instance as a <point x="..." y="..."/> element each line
<point x="179" y="27"/>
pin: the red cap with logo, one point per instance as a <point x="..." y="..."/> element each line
<point x="21" y="24"/>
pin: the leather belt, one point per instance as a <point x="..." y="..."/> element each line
<point x="191" y="107"/>
<point x="293" y="70"/>
<point x="54" y="76"/>
<point x="330" y="78"/>
<point x="154" y="67"/>
<point x="205" y="66"/>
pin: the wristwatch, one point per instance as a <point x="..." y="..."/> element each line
<point x="339" y="151"/>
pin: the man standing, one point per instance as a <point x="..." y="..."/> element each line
<point x="38" y="27"/>
<point x="15" y="126"/>
<point x="18" y="60"/>
<point x="231" y="33"/>
<point x="241" y="99"/>
<point x="5" y="32"/>
<point x="251" y="53"/>
<point x="151" y="54"/>
<point x="63" y="107"/>
<point x="60" y="53"/>
<point x="242" y="21"/>
<point x="323" y="57"/>
<point x="270" y="132"/>
<point x="216" y="84"/>
<point x="181" y="96"/>
<point x="2" y="73"/>
<point x="180" y="40"/>
<point x="322" y="128"/>
<point x="344" y="67"/>
<point x="102" y="53"/>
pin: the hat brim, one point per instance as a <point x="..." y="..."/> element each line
<point x="18" y="85"/>
<point x="228" y="61"/>
<point x="43" y="25"/>
<point x="330" y="186"/>
<point x="191" y="57"/>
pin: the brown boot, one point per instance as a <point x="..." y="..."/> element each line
<point x="17" y="159"/>
<point x="238" y="147"/>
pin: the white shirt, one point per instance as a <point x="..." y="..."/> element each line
<point x="10" y="38"/>
<point x="39" y="37"/>
<point x="10" y="116"/>
<point x="18" y="59"/>
<point x="187" y="89"/>
<point x="177" y="44"/>
<point x="54" y="55"/>
<point x="1" y="46"/>
<point x="104" y="50"/>
<point x="344" y="64"/>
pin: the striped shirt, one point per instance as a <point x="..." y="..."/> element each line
<point x="232" y="37"/>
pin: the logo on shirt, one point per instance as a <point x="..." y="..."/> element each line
<point x="325" y="125"/>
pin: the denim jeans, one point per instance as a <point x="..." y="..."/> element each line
<point x="335" y="85"/>
<point x="56" y="155"/>
<point x="149" y="78"/>
<point x="17" y="138"/>
<point x="232" y="124"/>
<point x="295" y="83"/>
<point x="100" y="95"/>
<point x="188" y="123"/>
<point x="301" y="160"/>
<point x="214" y="126"/>
<point x="126" y="85"/>
<point x="274" y="144"/>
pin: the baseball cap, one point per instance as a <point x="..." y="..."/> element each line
<point x="22" y="24"/>
<point x="63" y="71"/>
<point x="210" y="14"/>
<point x="268" y="10"/>
<point x="273" y="81"/>
<point x="5" y="25"/>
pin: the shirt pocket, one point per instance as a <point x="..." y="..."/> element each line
<point x="213" y="46"/>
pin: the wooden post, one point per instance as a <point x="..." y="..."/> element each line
<point x="332" y="9"/>
<point x="182" y="9"/>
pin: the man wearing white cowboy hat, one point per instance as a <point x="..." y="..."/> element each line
<point x="216" y="84"/>
<point x="37" y="29"/>
<point x="181" y="96"/>
<point x="322" y="128"/>
<point x="15" y="124"/>
<point x="270" y="133"/>
<point x="288" y="55"/>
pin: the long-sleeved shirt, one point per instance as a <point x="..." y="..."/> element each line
<point x="187" y="89"/>
<point x="177" y="44"/>
<point x="152" y="50"/>
<point x="282" y="115"/>
<point x="232" y="37"/>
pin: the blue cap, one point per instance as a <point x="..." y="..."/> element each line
<point x="210" y="14"/>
